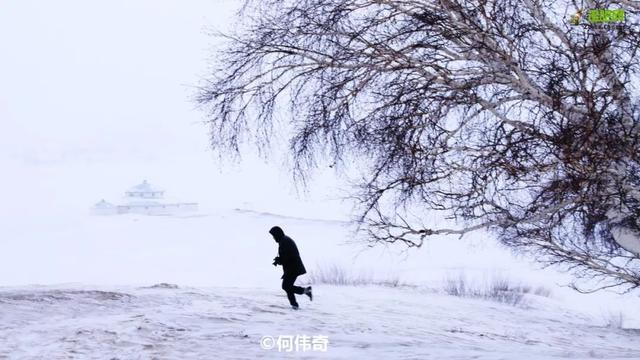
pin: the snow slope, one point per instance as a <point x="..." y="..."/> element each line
<point x="79" y="322"/>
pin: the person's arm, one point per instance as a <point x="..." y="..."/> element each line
<point x="286" y="253"/>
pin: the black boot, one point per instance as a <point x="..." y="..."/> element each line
<point x="308" y="292"/>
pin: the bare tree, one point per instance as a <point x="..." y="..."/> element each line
<point x="499" y="114"/>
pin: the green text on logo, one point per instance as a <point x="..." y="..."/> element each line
<point x="605" y="16"/>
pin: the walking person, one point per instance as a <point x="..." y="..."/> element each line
<point x="292" y="266"/>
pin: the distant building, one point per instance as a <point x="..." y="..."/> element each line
<point x="144" y="199"/>
<point x="144" y="191"/>
<point x="104" y="208"/>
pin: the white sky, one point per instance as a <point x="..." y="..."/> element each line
<point x="103" y="75"/>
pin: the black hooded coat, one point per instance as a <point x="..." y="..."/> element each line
<point x="288" y="255"/>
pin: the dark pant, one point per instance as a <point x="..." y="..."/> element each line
<point x="287" y="285"/>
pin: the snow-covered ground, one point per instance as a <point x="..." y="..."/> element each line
<point x="72" y="285"/>
<point x="80" y="322"/>
<point x="229" y="295"/>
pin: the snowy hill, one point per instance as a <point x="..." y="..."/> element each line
<point x="229" y="323"/>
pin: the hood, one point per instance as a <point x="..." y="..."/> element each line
<point x="277" y="233"/>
